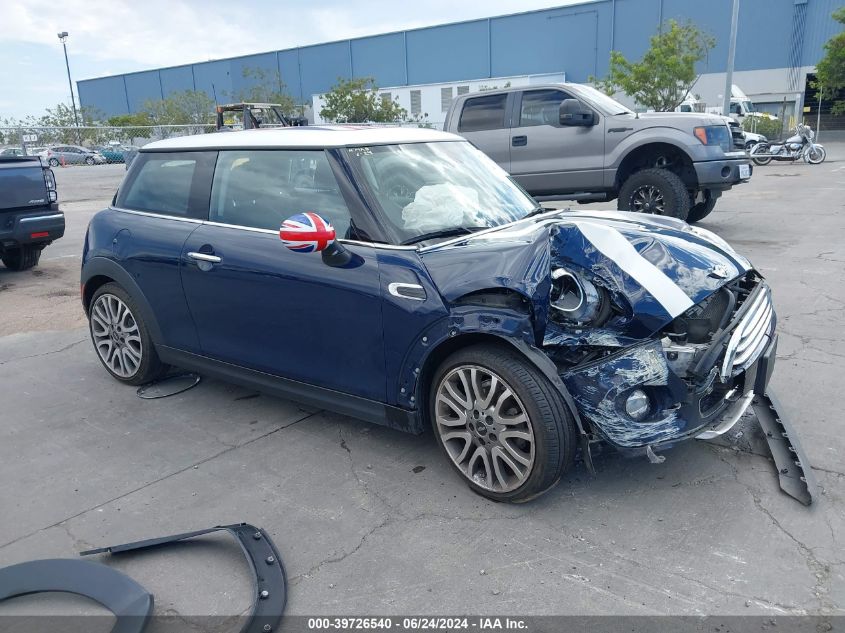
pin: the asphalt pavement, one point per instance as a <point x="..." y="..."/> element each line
<point x="373" y="521"/>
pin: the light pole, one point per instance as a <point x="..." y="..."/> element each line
<point x="62" y="39"/>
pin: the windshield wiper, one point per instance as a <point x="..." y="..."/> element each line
<point x="536" y="211"/>
<point x="450" y="232"/>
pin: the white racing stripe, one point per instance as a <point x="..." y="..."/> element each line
<point x="612" y="244"/>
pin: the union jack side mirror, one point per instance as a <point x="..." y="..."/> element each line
<point x="306" y="233"/>
<point x="309" y="233"/>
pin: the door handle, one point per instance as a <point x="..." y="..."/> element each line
<point x="204" y="257"/>
<point x="519" y="141"/>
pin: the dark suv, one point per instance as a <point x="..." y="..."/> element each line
<point x="401" y="276"/>
<point x="29" y="212"/>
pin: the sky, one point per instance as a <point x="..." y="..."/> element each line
<point x="116" y="36"/>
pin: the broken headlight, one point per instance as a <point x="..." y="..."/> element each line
<point x="575" y="299"/>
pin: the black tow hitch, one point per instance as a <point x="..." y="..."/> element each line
<point x="794" y="470"/>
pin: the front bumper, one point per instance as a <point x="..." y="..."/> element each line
<point x="723" y="174"/>
<point x="31" y="227"/>
<point x="737" y="365"/>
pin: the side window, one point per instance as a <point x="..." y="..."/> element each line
<point x="262" y="188"/>
<point x="483" y="113"/>
<point x="541" y="107"/>
<point x="160" y="184"/>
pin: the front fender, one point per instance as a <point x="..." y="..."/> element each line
<point x="466" y="326"/>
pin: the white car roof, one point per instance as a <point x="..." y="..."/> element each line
<point x="310" y="136"/>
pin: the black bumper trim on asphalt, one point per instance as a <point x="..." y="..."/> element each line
<point x="794" y="471"/>
<point x="269" y="578"/>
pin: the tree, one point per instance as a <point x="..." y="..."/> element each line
<point x="267" y="87"/>
<point x="662" y="78"/>
<point x="132" y="125"/>
<point x="358" y="101"/>
<point x="830" y="71"/>
<point x="188" y="107"/>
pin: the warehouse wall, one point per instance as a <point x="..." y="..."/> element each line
<point x="576" y="40"/>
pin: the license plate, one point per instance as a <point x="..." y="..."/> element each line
<point x="744" y="171"/>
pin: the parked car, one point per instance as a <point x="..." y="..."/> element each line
<point x="415" y="285"/>
<point x="572" y="141"/>
<point x="113" y="153"/>
<point x="12" y="151"/>
<point x="71" y="155"/>
<point x="29" y="213"/>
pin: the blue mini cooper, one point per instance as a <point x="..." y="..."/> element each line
<point x="400" y="276"/>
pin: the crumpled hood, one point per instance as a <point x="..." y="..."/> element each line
<point x="660" y="266"/>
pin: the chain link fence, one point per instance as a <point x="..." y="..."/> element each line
<point x="87" y="145"/>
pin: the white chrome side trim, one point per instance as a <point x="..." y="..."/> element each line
<point x="396" y="288"/>
<point x="379" y="245"/>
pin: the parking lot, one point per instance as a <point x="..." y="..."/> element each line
<point x="372" y="521"/>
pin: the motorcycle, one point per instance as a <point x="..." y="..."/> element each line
<point x="800" y="145"/>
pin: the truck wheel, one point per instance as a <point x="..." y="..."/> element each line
<point x="655" y="191"/>
<point x="503" y="426"/>
<point x="21" y="258"/>
<point x="701" y="210"/>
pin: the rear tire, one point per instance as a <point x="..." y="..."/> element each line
<point x="21" y="258"/>
<point x="657" y="191"/>
<point x="701" y="210"/>
<point x="763" y="148"/>
<point x="503" y="426"/>
<point x="121" y="338"/>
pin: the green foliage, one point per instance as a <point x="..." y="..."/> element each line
<point x="769" y="127"/>
<point x="189" y="107"/>
<point x="127" y="122"/>
<point x="662" y="78"/>
<point x="358" y="101"/>
<point x="267" y="87"/>
<point x="830" y="71"/>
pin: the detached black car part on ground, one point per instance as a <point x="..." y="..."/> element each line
<point x="29" y="211"/>
<point x="130" y="603"/>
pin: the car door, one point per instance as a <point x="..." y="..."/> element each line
<point x="549" y="158"/>
<point x="162" y="200"/>
<point x="483" y="122"/>
<point x="259" y="305"/>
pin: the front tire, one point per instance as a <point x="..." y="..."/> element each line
<point x="21" y="258"/>
<point x="815" y="154"/>
<point x="54" y="162"/>
<point x="121" y="338"/>
<point x="503" y="426"/>
<point x="656" y="191"/>
<point x="89" y="160"/>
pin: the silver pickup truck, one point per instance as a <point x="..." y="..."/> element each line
<point x="570" y="141"/>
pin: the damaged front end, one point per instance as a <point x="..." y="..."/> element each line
<point x="660" y="332"/>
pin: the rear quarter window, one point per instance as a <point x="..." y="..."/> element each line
<point x="483" y="113"/>
<point x="169" y="183"/>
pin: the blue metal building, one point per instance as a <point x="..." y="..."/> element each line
<point x="779" y="42"/>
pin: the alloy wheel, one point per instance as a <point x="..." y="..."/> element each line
<point x="648" y="199"/>
<point x="116" y="336"/>
<point x="484" y="428"/>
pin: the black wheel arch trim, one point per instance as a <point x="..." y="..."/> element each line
<point x="130" y="603"/>
<point x="104" y="267"/>
<point x="268" y="572"/>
